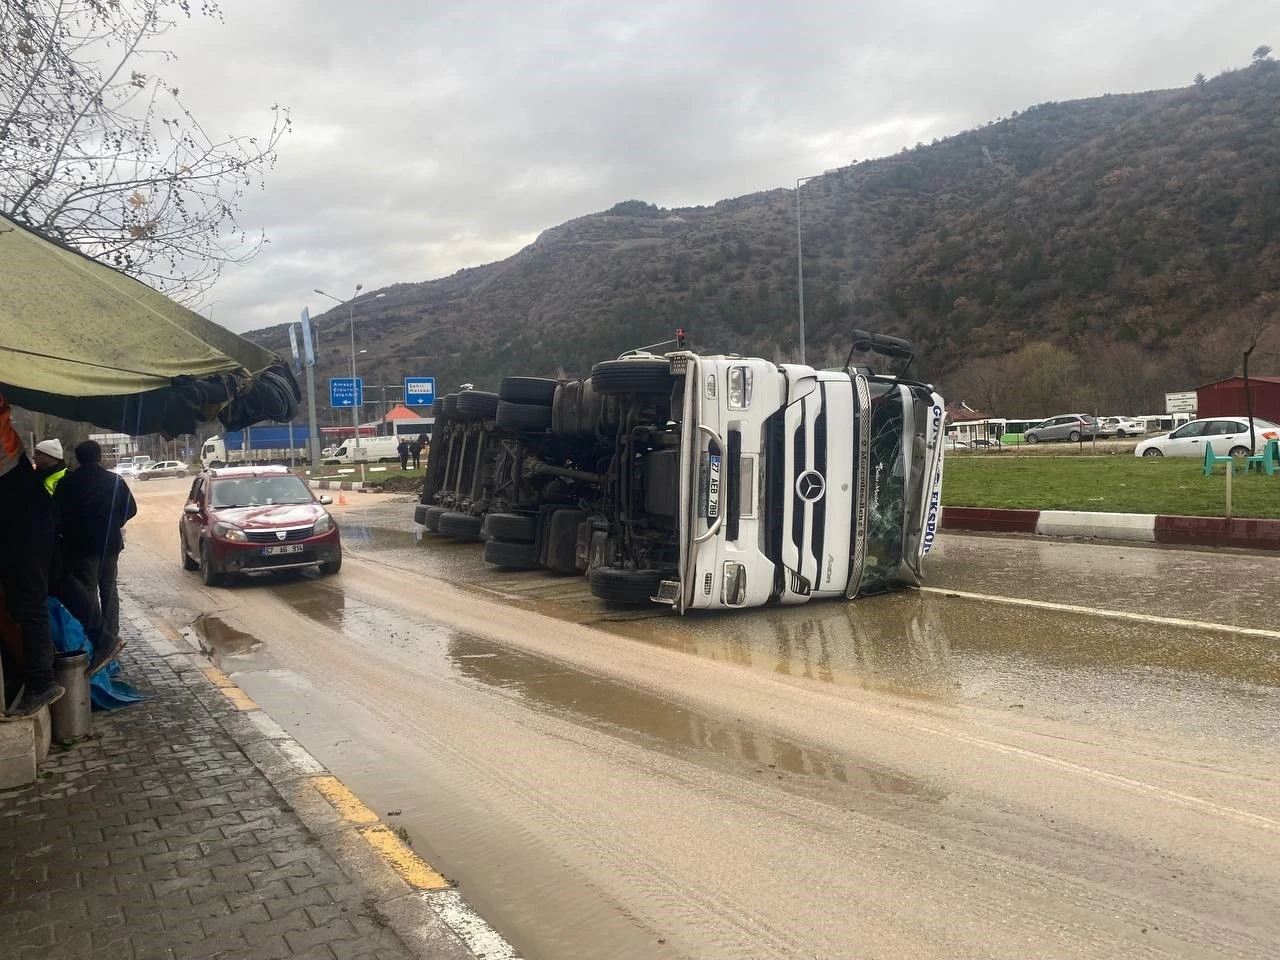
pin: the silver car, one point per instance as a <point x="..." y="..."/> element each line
<point x="1071" y="426"/>
<point x="162" y="468"/>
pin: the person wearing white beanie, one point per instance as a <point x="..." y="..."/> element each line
<point x="50" y="465"/>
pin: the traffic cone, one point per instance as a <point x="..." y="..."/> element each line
<point x="342" y="498"/>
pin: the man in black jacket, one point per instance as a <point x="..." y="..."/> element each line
<point x="95" y="504"/>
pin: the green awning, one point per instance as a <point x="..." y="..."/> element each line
<point x="81" y="340"/>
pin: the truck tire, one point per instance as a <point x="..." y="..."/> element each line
<point x="460" y="526"/>
<point x="528" y="390"/>
<point x="564" y="409"/>
<point x="505" y="553"/>
<point x="560" y="541"/>
<point x="632" y="376"/>
<point x="523" y="416"/>
<point x="437" y="407"/>
<point x="450" y="405"/>
<point x="624" y="585"/>
<point x="477" y="405"/>
<point x="420" y="514"/>
<point x="510" y="526"/>
<point x="431" y="518"/>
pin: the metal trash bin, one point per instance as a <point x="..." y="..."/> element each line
<point x="69" y="717"/>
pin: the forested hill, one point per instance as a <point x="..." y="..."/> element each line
<point x="1143" y="226"/>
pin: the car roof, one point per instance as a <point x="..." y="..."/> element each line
<point x="266" y="471"/>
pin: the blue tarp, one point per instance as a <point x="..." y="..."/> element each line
<point x="105" y="689"/>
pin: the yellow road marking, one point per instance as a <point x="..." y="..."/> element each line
<point x="411" y="867"/>
<point x="394" y="851"/>
<point x="351" y="808"/>
<point x="239" y="699"/>
<point x="165" y="628"/>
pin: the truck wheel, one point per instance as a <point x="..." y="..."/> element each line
<point x="624" y="585"/>
<point x="510" y="526"/>
<point x="431" y="517"/>
<point x="437" y="407"/>
<point x="632" y="376"/>
<point x="477" y="405"/>
<point x="560" y="543"/>
<point x="450" y="406"/>
<point x="523" y="416"/>
<point x="527" y="390"/>
<point x="460" y="526"/>
<point x="504" y="553"/>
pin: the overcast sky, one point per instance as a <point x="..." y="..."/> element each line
<point x="430" y="136"/>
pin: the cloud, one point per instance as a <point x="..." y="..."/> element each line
<point x="432" y="137"/>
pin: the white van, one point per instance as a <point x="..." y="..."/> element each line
<point x="370" y="449"/>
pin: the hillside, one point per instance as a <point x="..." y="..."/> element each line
<point x="1134" y="233"/>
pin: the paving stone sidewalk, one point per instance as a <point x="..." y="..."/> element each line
<point x="159" y="838"/>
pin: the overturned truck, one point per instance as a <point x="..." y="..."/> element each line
<point x="699" y="482"/>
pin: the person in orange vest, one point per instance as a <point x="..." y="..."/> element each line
<point x="50" y="465"/>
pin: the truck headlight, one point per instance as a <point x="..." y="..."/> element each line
<point x="733" y="589"/>
<point x="227" y="532"/>
<point x="739" y="388"/>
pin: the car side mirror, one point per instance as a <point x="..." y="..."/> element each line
<point x="192" y="509"/>
<point x="325" y="500"/>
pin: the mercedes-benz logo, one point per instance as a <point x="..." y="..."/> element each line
<point x="281" y="534"/>
<point x="810" y="486"/>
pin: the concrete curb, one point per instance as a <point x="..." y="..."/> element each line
<point x="343" y="485"/>
<point x="1125" y="527"/>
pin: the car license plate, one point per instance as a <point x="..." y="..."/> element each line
<point x="283" y="548"/>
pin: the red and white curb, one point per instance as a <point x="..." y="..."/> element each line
<point x="1130" y="527"/>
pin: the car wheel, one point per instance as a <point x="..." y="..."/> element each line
<point x="187" y="562"/>
<point x="1119" y="434"/>
<point x="330" y="567"/>
<point x="1074" y="436"/>
<point x="1031" y="438"/>
<point x="210" y="574"/>
<point x="624" y="585"/>
<point x="1153" y="452"/>
<point x="1238" y="452"/>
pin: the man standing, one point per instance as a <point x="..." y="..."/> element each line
<point x="95" y="505"/>
<point x="415" y="451"/>
<point x="50" y="465"/>
<point x="402" y="448"/>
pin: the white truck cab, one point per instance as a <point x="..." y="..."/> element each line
<point x="769" y="483"/>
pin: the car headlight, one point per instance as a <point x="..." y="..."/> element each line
<point x="323" y="525"/>
<point x="227" y="532"/>
<point x="733" y="589"/>
<point x="739" y="388"/>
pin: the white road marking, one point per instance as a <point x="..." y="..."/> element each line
<point x="457" y="914"/>
<point x="1147" y="618"/>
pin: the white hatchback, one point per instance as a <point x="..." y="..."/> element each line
<point x="1227" y="435"/>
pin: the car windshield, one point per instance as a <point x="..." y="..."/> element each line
<point x="259" y="491"/>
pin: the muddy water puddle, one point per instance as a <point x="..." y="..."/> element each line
<point x="626" y="711"/>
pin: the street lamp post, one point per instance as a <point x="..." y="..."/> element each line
<point x="351" y="319"/>
<point x="800" y="259"/>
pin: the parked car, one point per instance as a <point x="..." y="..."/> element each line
<point x="129" y="466"/>
<point x="1071" y="426"/>
<point x="252" y="519"/>
<point x="162" y="468"/>
<point x="1121" y="427"/>
<point x="1227" y="435"/>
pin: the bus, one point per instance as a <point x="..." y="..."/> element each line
<point x="976" y="434"/>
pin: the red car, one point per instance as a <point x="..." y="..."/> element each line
<point x="251" y="519"/>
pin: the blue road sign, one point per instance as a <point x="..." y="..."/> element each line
<point x="341" y="393"/>
<point x="419" y="391"/>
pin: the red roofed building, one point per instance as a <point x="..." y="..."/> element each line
<point x="1225" y="398"/>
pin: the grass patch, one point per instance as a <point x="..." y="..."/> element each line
<point x="1120" y="484"/>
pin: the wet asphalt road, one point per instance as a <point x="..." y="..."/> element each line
<point x="1091" y="772"/>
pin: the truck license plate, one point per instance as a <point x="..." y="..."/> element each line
<point x="283" y="548"/>
<point x="713" y="486"/>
